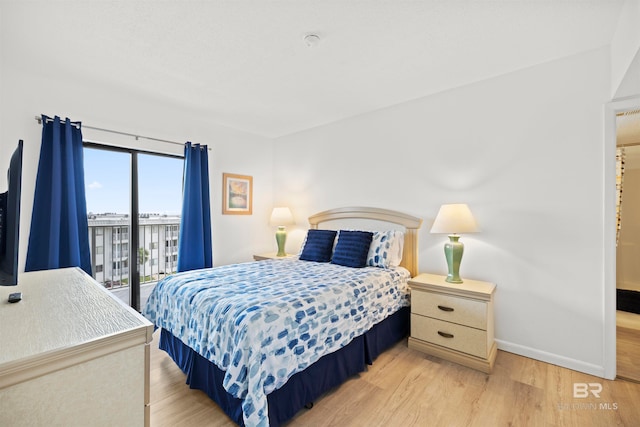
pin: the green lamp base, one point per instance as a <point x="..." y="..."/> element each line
<point x="281" y="238"/>
<point x="453" y="250"/>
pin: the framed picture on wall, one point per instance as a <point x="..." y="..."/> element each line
<point x="237" y="193"/>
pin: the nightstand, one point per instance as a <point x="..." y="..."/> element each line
<point x="453" y="321"/>
<point x="270" y="255"/>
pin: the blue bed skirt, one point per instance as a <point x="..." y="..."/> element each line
<point x="302" y="388"/>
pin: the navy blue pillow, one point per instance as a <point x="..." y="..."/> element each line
<point x="318" y="246"/>
<point x="352" y="248"/>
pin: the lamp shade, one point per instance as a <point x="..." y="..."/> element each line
<point x="281" y="216"/>
<point x="455" y="218"/>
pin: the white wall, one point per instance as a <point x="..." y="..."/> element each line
<point x="28" y="89"/>
<point x="625" y="52"/>
<point x="524" y="150"/>
<point x="630" y="85"/>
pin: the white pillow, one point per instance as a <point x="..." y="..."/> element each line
<point x="386" y="249"/>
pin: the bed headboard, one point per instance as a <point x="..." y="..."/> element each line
<point x="410" y="223"/>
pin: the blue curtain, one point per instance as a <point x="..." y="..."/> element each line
<point x="194" y="245"/>
<point x="59" y="234"/>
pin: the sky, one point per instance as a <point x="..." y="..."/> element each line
<point x="107" y="182"/>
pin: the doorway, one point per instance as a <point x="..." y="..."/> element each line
<point x="628" y="245"/>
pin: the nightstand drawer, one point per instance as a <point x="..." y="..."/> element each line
<point x="456" y="337"/>
<point x="449" y="308"/>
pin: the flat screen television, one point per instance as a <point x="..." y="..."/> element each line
<point x="10" y="221"/>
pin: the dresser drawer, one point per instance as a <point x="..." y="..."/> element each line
<point x="456" y="337"/>
<point x="449" y="308"/>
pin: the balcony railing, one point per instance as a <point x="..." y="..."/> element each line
<point x="156" y="259"/>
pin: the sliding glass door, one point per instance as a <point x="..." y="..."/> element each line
<point x="107" y="184"/>
<point x="160" y="205"/>
<point x="133" y="205"/>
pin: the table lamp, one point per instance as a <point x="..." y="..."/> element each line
<point x="280" y="217"/>
<point x="454" y="219"/>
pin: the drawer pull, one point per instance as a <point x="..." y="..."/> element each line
<point x="445" y="308"/>
<point x="445" y="334"/>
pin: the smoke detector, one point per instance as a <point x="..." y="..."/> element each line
<point x="311" y="40"/>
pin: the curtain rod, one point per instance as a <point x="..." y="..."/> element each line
<point x="137" y="137"/>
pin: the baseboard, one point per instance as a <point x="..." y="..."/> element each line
<point x="554" y="359"/>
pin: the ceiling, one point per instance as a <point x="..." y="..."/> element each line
<point x="243" y="64"/>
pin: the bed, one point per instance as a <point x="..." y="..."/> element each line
<point x="266" y="338"/>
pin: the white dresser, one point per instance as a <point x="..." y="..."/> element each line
<point x="71" y="354"/>
<point x="453" y="321"/>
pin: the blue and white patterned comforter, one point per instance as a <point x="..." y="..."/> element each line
<point x="262" y="322"/>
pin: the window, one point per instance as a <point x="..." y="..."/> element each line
<point x="120" y="264"/>
<point x="131" y="197"/>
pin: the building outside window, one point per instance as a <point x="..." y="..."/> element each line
<point x="116" y="255"/>
<point x="133" y="248"/>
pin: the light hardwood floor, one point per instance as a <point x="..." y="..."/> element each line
<point x="407" y="388"/>
<point x="628" y="346"/>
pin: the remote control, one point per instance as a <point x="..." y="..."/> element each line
<point x="15" y="297"/>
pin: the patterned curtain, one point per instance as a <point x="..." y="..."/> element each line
<point x="619" y="180"/>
